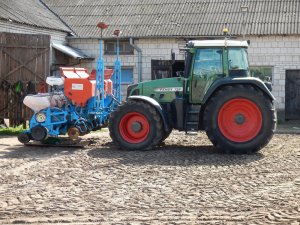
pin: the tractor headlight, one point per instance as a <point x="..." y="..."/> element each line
<point x="40" y="117"/>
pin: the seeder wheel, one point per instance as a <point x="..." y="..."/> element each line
<point x="73" y="133"/>
<point x="24" y="138"/>
<point x="38" y="133"/>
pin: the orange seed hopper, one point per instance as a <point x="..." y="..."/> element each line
<point x="108" y="84"/>
<point x="77" y="87"/>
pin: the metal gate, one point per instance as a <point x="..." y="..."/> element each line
<point x="24" y="65"/>
<point x="292" y="95"/>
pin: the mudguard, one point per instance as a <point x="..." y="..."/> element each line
<point x="245" y="80"/>
<point x="155" y="104"/>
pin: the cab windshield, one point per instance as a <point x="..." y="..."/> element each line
<point x="238" y="62"/>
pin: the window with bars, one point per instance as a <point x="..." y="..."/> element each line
<point x="111" y="48"/>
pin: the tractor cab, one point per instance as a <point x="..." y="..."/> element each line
<point x="218" y="57"/>
<point x="212" y="60"/>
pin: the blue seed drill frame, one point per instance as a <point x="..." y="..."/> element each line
<point x="77" y="120"/>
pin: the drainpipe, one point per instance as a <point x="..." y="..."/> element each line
<point x="139" y="50"/>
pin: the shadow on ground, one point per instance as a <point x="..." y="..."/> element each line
<point x="171" y="155"/>
<point x="174" y="155"/>
<point x="21" y="151"/>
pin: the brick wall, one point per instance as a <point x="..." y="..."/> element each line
<point x="279" y="52"/>
<point x="151" y="49"/>
<point x="158" y="49"/>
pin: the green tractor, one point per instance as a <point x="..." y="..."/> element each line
<point x="216" y="93"/>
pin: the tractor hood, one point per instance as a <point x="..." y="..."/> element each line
<point x="162" y="90"/>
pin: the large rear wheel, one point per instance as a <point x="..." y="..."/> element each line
<point x="240" y="119"/>
<point x="135" y="125"/>
<point x="166" y="134"/>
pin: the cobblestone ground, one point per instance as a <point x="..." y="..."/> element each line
<point x="184" y="182"/>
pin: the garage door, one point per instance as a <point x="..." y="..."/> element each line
<point x="126" y="79"/>
<point x="292" y="95"/>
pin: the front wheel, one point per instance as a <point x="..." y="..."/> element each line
<point x="24" y="137"/>
<point x="135" y="125"/>
<point x="240" y="119"/>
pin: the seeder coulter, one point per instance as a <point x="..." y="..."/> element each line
<point x="82" y="105"/>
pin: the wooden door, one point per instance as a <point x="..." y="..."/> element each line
<point x="24" y="59"/>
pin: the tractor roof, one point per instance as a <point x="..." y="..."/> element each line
<point x="218" y="43"/>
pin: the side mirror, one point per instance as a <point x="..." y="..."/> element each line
<point x="179" y="73"/>
<point x="172" y="56"/>
<point x="248" y="41"/>
<point x="268" y="78"/>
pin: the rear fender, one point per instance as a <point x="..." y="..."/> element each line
<point x="231" y="81"/>
<point x="155" y="104"/>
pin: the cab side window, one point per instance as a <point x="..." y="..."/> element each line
<point x="208" y="62"/>
<point x="238" y="62"/>
<point x="237" y="59"/>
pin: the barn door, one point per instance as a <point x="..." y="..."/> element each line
<point x="292" y="95"/>
<point x="24" y="60"/>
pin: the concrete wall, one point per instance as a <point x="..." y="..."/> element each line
<point x="280" y="53"/>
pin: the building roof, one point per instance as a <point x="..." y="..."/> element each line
<point x="32" y="13"/>
<point x="70" y="51"/>
<point x="178" y="18"/>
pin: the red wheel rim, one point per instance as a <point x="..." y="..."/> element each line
<point x="134" y="127"/>
<point x="240" y="120"/>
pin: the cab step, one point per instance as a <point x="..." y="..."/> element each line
<point x="191" y="133"/>
<point x="192" y="118"/>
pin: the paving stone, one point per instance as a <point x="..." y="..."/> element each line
<point x="183" y="182"/>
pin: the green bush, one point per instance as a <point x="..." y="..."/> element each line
<point x="11" y="130"/>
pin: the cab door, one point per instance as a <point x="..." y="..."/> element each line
<point x="207" y="67"/>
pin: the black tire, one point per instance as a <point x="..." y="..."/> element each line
<point x="89" y="127"/>
<point x="165" y="135"/>
<point x="38" y="133"/>
<point x="24" y="138"/>
<point x="82" y="127"/>
<point x="151" y="122"/>
<point x="262" y="131"/>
